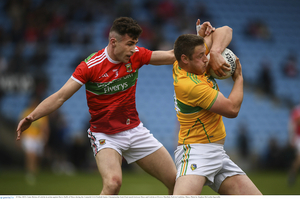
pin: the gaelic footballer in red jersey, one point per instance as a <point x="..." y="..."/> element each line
<point x="110" y="89"/>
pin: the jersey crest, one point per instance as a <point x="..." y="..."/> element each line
<point x="128" y="68"/>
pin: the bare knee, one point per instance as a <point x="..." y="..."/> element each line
<point x="111" y="186"/>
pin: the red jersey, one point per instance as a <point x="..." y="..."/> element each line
<point x="110" y="89"/>
<point x="296" y="119"/>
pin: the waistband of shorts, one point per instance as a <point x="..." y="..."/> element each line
<point x="211" y="143"/>
<point x="203" y="144"/>
<point x="140" y="124"/>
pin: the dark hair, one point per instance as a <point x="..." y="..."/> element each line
<point x="126" y="25"/>
<point x="185" y="44"/>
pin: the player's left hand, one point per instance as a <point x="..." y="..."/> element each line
<point x="238" y="70"/>
<point x="218" y="63"/>
<point x="204" y="29"/>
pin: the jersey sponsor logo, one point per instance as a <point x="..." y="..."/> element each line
<point x="128" y="68"/>
<point x="114" y="86"/>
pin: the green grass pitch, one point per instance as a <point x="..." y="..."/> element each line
<point x="134" y="183"/>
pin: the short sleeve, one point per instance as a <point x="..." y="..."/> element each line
<point x="203" y="95"/>
<point x="80" y="74"/>
<point x="144" y="55"/>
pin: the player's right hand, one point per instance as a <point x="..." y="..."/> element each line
<point x="218" y="63"/>
<point x="23" y="125"/>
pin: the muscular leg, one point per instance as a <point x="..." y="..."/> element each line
<point x="161" y="166"/>
<point x="109" y="164"/>
<point x="189" y="185"/>
<point x="238" y="185"/>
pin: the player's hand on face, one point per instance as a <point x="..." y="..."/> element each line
<point x="204" y="29"/>
<point x="23" y="125"/>
<point x="218" y="64"/>
<point x="238" y="71"/>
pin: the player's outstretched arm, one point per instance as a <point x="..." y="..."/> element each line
<point x="230" y="107"/>
<point x="160" y="57"/>
<point x="49" y="105"/>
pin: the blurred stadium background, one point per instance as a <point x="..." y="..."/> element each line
<point x="42" y="41"/>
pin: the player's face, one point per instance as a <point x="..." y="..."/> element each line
<point x="124" y="49"/>
<point x="199" y="62"/>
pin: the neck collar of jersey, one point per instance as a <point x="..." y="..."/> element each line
<point x="110" y="59"/>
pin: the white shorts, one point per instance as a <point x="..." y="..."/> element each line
<point x="33" y="145"/>
<point x="133" y="144"/>
<point x="208" y="160"/>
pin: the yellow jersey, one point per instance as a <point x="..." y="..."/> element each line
<point x="194" y="96"/>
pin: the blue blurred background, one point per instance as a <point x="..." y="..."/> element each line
<point x="42" y="42"/>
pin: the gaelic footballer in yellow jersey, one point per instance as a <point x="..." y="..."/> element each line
<point x="194" y="96"/>
<point x="200" y="157"/>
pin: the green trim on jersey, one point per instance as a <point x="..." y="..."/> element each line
<point x="89" y="57"/>
<point x="114" y="86"/>
<point x="189" y="131"/>
<point x="193" y="77"/>
<point x="175" y="73"/>
<point x="214" y="82"/>
<point x="198" y="120"/>
<point x="212" y="103"/>
<point x="186" y="109"/>
<point x="204" y="130"/>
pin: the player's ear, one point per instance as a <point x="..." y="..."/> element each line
<point x="113" y="41"/>
<point x="184" y="59"/>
